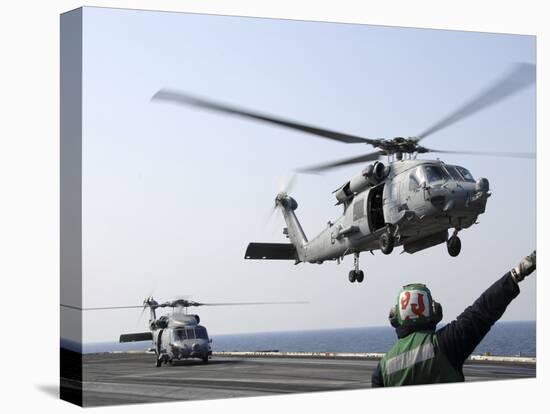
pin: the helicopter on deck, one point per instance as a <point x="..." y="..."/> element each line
<point x="177" y="335"/>
<point x="408" y="202"/>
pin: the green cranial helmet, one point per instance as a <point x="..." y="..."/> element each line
<point x="415" y="307"/>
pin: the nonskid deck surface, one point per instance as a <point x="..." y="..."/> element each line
<point x="126" y="378"/>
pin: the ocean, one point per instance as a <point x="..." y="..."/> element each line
<point x="505" y="338"/>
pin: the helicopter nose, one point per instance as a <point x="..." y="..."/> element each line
<point x="481" y="193"/>
<point x="482" y="185"/>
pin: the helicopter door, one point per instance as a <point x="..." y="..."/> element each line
<point x="358" y="208"/>
<point x="375" y="211"/>
<point x="360" y="214"/>
<point x="159" y="341"/>
<point x="416" y="194"/>
<point x="391" y="200"/>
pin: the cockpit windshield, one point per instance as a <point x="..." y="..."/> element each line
<point x="453" y="172"/>
<point x="465" y="173"/>
<point x="200" y="332"/>
<point x="435" y="173"/>
<point x="179" y="335"/>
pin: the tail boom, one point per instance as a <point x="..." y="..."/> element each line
<point x="295" y="232"/>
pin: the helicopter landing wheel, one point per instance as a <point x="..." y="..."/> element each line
<point x="386" y="242"/>
<point x="356" y="276"/>
<point x="453" y="246"/>
<point x="205" y="360"/>
<point x="158" y="363"/>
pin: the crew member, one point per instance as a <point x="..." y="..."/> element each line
<point x="423" y="355"/>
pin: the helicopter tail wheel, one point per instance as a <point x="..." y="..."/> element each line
<point x="453" y="246"/>
<point x="352" y="277"/>
<point x="359" y="276"/>
<point x="387" y="242"/>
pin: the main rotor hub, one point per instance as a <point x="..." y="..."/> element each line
<point x="400" y="145"/>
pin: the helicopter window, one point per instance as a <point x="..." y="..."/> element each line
<point x="200" y="333"/>
<point x="413" y="181"/>
<point x="465" y="173"/>
<point x="435" y="173"/>
<point x="179" y="335"/>
<point x="454" y="173"/>
<point x="190" y="333"/>
<point x="359" y="209"/>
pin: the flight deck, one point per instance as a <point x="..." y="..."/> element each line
<point x="129" y="378"/>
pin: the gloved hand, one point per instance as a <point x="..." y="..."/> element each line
<point x="525" y="267"/>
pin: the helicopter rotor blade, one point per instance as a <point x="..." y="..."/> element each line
<point x="102" y="308"/>
<point x="142" y="313"/>
<point x="185" y="304"/>
<point x="526" y="155"/>
<point x="287" y="183"/>
<point x="177" y="97"/>
<point x="521" y="76"/>
<point x="252" y="303"/>
<point x="340" y="163"/>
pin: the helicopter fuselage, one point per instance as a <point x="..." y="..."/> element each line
<point x="179" y="336"/>
<point x="418" y="201"/>
<point x="411" y="203"/>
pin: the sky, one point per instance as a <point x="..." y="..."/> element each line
<point x="172" y="195"/>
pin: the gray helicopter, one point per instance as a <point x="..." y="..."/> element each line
<point x="177" y="335"/>
<point x="407" y="202"/>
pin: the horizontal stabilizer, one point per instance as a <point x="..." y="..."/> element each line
<point x="136" y="337"/>
<point x="271" y="251"/>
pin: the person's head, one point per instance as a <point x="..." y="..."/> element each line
<point x="415" y="310"/>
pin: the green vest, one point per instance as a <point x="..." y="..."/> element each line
<point x="417" y="359"/>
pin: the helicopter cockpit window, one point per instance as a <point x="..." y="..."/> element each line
<point x="453" y="172"/>
<point x="200" y="332"/>
<point x="466" y="174"/>
<point x="179" y="335"/>
<point x="435" y="173"/>
<point x="190" y="333"/>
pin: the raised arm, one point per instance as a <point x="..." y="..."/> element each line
<point x="460" y="337"/>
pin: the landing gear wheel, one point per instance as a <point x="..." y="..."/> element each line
<point x="360" y="276"/>
<point x="352" y="277"/>
<point x="386" y="243"/>
<point x="453" y="246"/>
<point x="159" y="363"/>
<point x="205" y="360"/>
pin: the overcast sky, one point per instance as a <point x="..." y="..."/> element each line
<point x="172" y="195"/>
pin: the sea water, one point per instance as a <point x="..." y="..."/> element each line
<point x="505" y="338"/>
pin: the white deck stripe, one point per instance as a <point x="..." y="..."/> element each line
<point x="409" y="358"/>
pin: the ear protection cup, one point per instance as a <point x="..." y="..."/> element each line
<point x="437" y="312"/>
<point x="393" y="316"/>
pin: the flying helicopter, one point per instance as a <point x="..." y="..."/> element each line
<point x="407" y="202"/>
<point x="177" y="335"/>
